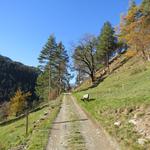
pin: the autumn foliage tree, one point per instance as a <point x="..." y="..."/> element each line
<point x="18" y="103"/>
<point x="135" y="31"/>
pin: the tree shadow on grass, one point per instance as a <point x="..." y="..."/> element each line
<point x="106" y="74"/>
<point x="89" y="100"/>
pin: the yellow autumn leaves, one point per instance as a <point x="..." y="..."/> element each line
<point x="18" y="103"/>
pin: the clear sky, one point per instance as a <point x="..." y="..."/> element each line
<point x="25" y="25"/>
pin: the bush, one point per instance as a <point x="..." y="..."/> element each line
<point x="18" y="103"/>
<point x="4" y="111"/>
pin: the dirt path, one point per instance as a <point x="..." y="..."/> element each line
<point x="72" y="130"/>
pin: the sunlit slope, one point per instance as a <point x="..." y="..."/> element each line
<point x="122" y="95"/>
<point x="13" y="135"/>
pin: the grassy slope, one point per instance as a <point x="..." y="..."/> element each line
<point x="13" y="135"/>
<point x="126" y="89"/>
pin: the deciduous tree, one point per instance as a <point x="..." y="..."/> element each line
<point x="18" y="103"/>
<point x="85" y="56"/>
<point x="136" y="31"/>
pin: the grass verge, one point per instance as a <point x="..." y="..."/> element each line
<point x="12" y="136"/>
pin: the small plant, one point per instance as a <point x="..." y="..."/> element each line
<point x="18" y="103"/>
<point x="4" y="111"/>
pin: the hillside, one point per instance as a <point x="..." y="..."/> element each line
<point x="13" y="134"/>
<point x="121" y="102"/>
<point x="14" y="75"/>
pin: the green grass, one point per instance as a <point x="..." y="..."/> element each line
<point x="75" y="140"/>
<point x="40" y="135"/>
<point x="125" y="89"/>
<point x="13" y="135"/>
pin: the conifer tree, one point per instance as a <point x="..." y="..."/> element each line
<point x="42" y="87"/>
<point x="62" y="66"/>
<point x="54" y="62"/>
<point x="47" y="59"/>
<point x="106" y="42"/>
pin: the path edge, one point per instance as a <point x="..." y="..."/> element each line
<point x="49" y="134"/>
<point x="112" y="140"/>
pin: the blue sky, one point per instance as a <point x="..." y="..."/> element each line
<point x="25" y="25"/>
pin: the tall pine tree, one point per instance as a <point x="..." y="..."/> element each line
<point x="106" y="43"/>
<point x="53" y="63"/>
<point x="47" y="59"/>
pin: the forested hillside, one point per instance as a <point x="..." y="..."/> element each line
<point x="14" y="75"/>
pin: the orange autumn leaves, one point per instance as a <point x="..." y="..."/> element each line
<point x="135" y="31"/>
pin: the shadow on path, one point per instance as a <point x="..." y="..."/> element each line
<point x="70" y="121"/>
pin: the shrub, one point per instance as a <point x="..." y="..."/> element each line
<point x="18" y="103"/>
<point x="4" y="111"/>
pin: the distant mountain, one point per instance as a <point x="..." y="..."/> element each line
<point x="14" y="75"/>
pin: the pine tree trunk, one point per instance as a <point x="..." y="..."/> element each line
<point x="49" y="88"/>
<point x="107" y="63"/>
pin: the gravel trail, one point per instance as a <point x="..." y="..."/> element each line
<point x="73" y="130"/>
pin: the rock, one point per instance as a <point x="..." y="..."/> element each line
<point x="142" y="141"/>
<point x="137" y="107"/>
<point x="34" y="122"/>
<point x="120" y="110"/>
<point x="135" y="116"/>
<point x="141" y="131"/>
<point x="38" y="121"/>
<point x="132" y="121"/>
<point x="131" y="110"/>
<point x="45" y="113"/>
<point x="85" y="97"/>
<point x="148" y="113"/>
<point x="43" y="118"/>
<point x="148" y="137"/>
<point x="126" y="112"/>
<point x="118" y="123"/>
